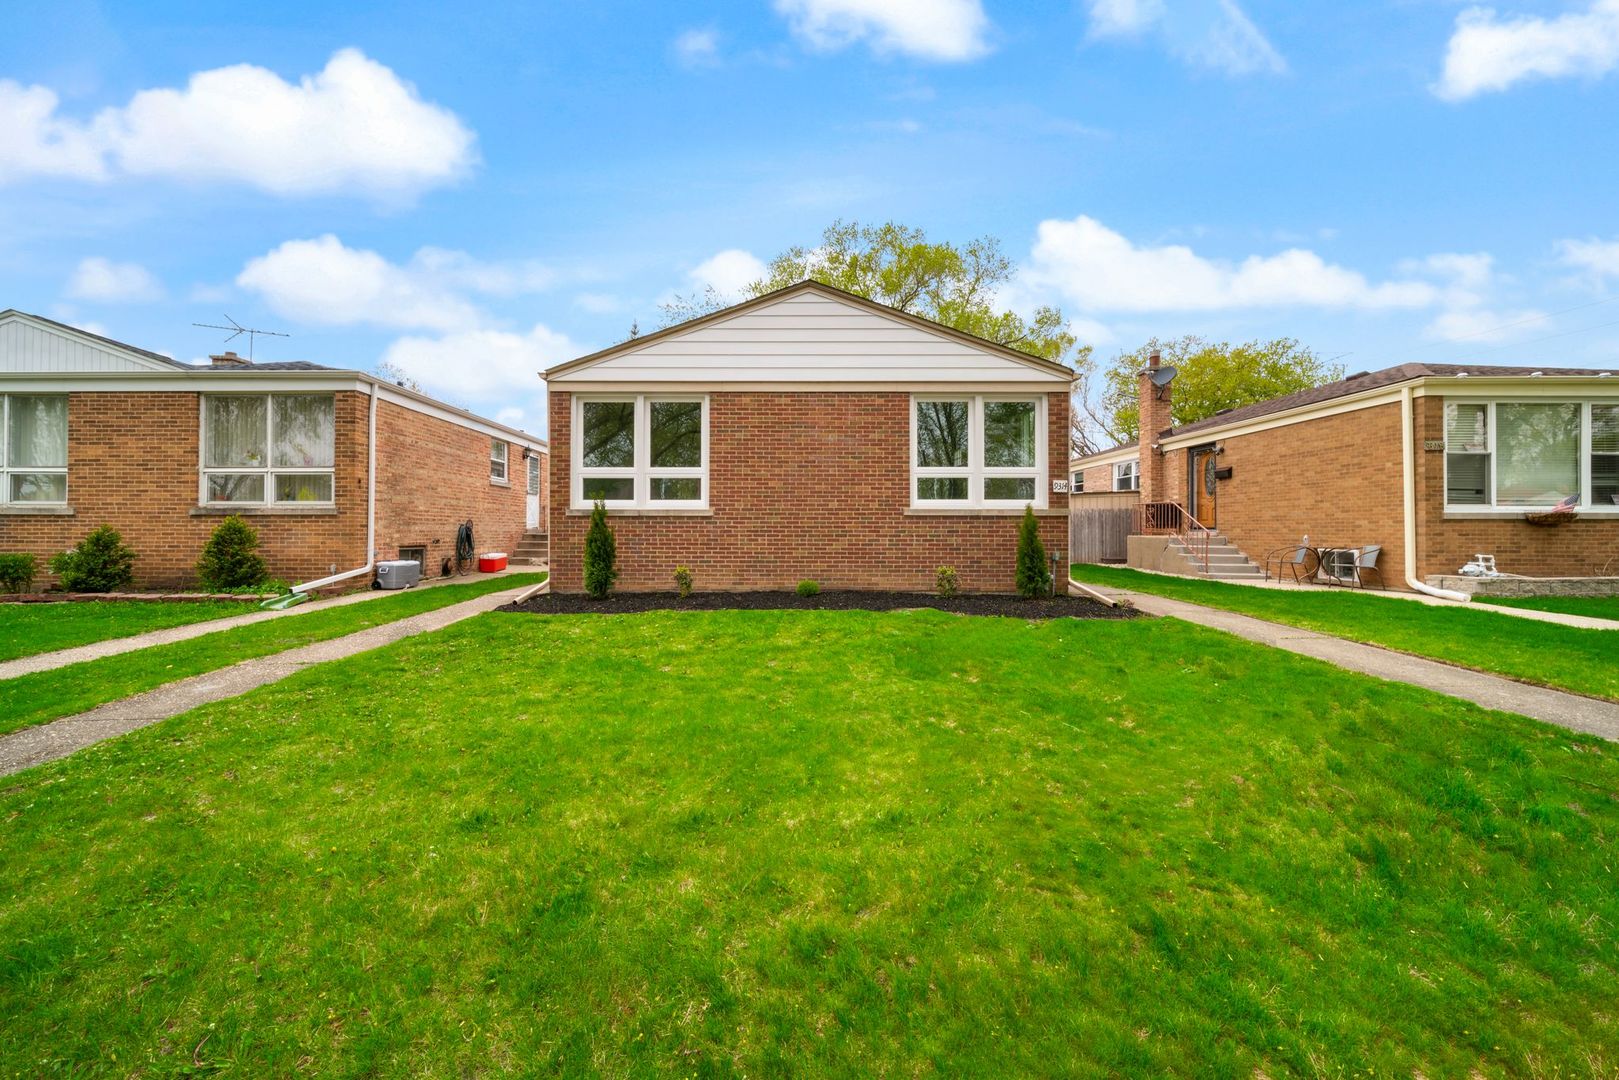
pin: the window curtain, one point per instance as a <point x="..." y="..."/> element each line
<point x="1538" y="447"/>
<point x="236" y="432"/>
<point x="305" y="431"/>
<point x="1605" y="455"/>
<point x="38" y="437"/>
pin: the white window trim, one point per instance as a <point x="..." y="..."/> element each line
<point x="269" y="471"/>
<point x="1130" y="470"/>
<point x="1076" y="482"/>
<point x="976" y="472"/>
<point x="642" y="473"/>
<point x="6" y="468"/>
<point x="1492" y="507"/>
<point x="503" y="460"/>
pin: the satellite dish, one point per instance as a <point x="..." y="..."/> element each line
<point x="1163" y="376"/>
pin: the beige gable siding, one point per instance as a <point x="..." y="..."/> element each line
<point x="28" y="347"/>
<point x="809" y="338"/>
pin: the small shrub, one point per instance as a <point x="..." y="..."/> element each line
<point x="809" y="588"/>
<point x="1033" y="576"/>
<point x="17" y="572"/>
<point x="230" y="558"/>
<point x="101" y="563"/>
<point x="946" y="582"/>
<point x="601" y="554"/>
<point x="683" y="580"/>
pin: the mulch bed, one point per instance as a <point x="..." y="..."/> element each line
<point x="1050" y="607"/>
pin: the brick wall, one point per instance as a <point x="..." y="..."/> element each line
<point x="432" y="475"/>
<point x="1444" y="544"/>
<point x="1098" y="480"/>
<point x="1336" y="479"/>
<point x="133" y="463"/>
<point x="804" y="485"/>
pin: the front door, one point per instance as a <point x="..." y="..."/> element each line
<point x="1201" y="484"/>
<point x="534" y="491"/>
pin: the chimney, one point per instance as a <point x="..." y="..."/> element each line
<point x="1153" y="401"/>
<point x="228" y="360"/>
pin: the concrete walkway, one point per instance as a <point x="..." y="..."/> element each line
<point x="95" y="650"/>
<point x="1580" y="622"/>
<point x="47" y="742"/>
<point x="1573" y="711"/>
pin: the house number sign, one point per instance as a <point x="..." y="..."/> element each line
<point x="1059" y="487"/>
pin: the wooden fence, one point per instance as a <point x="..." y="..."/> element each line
<point x="1098" y="528"/>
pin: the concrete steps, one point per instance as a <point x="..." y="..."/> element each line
<point x="1226" y="561"/>
<point x="534" y="549"/>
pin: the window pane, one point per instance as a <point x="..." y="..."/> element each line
<point x="941" y="487"/>
<point x="225" y="487"/>
<point x="1605" y="429"/>
<point x="1538" y="452"/>
<point x="1605" y="480"/>
<point x="677" y="434"/>
<point x="38" y="432"/>
<point x="39" y="487"/>
<point x="236" y="432"/>
<point x="1467" y="479"/>
<point x="297" y="488"/>
<point x="610" y="488"/>
<point x="1466" y="429"/>
<point x="1020" y="488"/>
<point x="609" y="435"/>
<point x="1009" y="434"/>
<point x="497" y="460"/>
<point x="304" y="431"/>
<point x="685" y="488"/>
<point x="941" y="435"/>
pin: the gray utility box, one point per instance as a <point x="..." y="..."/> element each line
<point x="398" y="573"/>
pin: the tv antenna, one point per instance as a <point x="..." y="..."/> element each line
<point x="237" y="330"/>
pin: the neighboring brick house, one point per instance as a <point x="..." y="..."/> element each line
<point x="95" y="432"/>
<point x="1434" y="462"/>
<point x="1113" y="472"/>
<point x="808" y="434"/>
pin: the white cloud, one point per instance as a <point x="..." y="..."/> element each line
<point x="927" y="29"/>
<point x="598" y="303"/>
<point x="1215" y="34"/>
<point x="697" y="48"/>
<point x="512" y="416"/>
<point x="353" y="126"/>
<point x="324" y="281"/>
<point x="481" y="365"/>
<point x="1487" y="53"/>
<point x="113" y="282"/>
<point x="1481" y="324"/>
<point x="1599" y="259"/>
<point x="1100" y="270"/>
<point x="728" y="272"/>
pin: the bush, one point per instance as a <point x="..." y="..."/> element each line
<point x="601" y="554"/>
<point x="1033" y="576"/>
<point x="946" y="582"/>
<point x="230" y="558"/>
<point x="101" y="563"/>
<point x="683" y="580"/>
<point x="808" y="587"/>
<point x="17" y="572"/>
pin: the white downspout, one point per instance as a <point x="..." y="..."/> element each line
<point x="1408" y="465"/>
<point x="370" y="510"/>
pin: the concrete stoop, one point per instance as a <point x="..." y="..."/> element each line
<point x="1226" y="560"/>
<point x="534" y="549"/>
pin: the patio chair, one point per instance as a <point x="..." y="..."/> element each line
<point x="1366" y="564"/>
<point x="1298" y="560"/>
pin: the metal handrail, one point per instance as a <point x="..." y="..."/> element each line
<point x="1173" y="519"/>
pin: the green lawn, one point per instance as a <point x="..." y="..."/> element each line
<point x="817" y="844"/>
<point x="28" y="700"/>
<point x="27" y="629"/>
<point x="1596" y="607"/>
<point x="1542" y="653"/>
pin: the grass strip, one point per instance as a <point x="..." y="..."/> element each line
<point x="30" y="629"/>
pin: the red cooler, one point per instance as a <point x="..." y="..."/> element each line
<point x="491" y="562"/>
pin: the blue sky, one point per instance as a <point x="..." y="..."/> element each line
<point x="479" y="191"/>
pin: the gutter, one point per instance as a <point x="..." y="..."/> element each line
<point x="370" y="511"/>
<point x="1408" y="471"/>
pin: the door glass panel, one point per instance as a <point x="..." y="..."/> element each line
<point x="534" y="475"/>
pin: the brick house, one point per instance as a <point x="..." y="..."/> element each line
<point x="332" y="467"/>
<point x="1433" y="462"/>
<point x="807" y="433"/>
